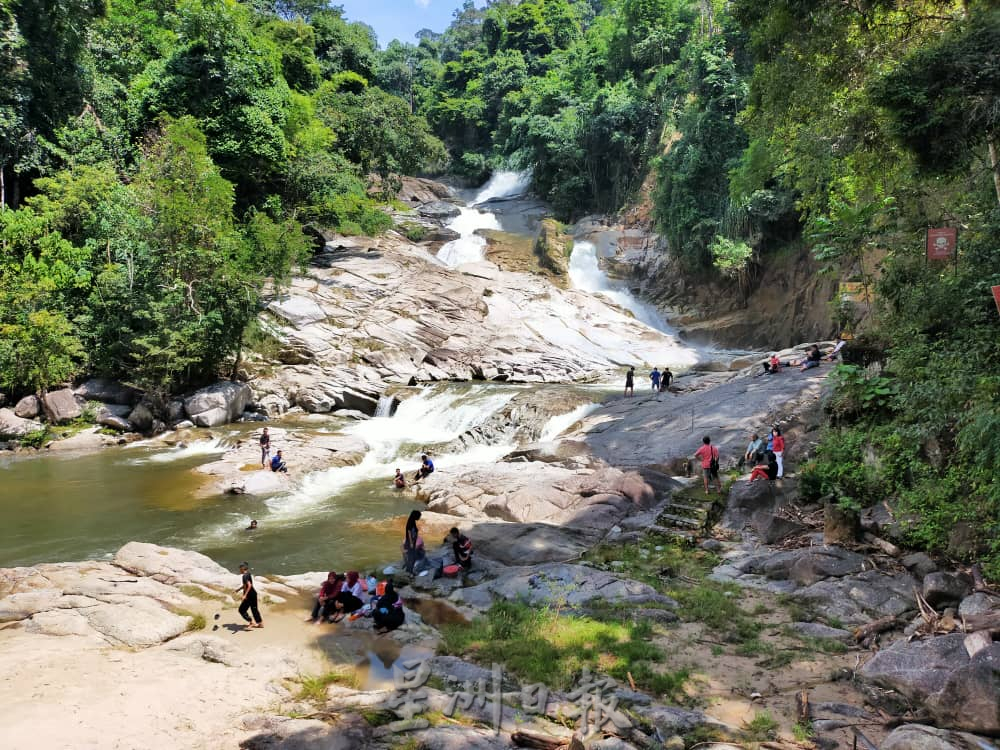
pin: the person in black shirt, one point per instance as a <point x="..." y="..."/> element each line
<point x="411" y="535"/>
<point x="461" y="546"/>
<point x="665" y="377"/>
<point x="249" y="600"/>
<point x="630" y="381"/>
<point x="387" y="614"/>
<point x="265" y="447"/>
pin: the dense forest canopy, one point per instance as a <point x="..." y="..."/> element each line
<point x="161" y="159"/>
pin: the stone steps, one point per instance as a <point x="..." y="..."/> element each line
<point x="680" y="520"/>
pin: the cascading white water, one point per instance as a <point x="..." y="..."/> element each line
<point x="562" y="422"/>
<point x="586" y="275"/>
<point x="197" y="448"/>
<point x="435" y="416"/>
<point x="384" y="407"/>
<point x="470" y="247"/>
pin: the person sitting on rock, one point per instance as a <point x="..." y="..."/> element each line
<point x="773" y="365"/>
<point x="461" y="547"/>
<point x="349" y="598"/>
<point x="399" y="480"/>
<point x="387" y="613"/>
<point x="812" y="359"/>
<point x="325" y="596"/>
<point x="426" y="468"/>
<point x="278" y="463"/>
<point x="754" y="451"/>
<point x="766" y="471"/>
<point x="835" y="352"/>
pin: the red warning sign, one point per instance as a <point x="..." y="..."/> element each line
<point x="941" y="243"/>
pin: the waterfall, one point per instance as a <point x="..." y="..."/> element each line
<point x="562" y="422"/>
<point x="470" y="247"/>
<point x="385" y="406"/>
<point x="586" y="275"/>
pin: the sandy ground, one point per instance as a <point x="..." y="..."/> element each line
<point x="70" y="694"/>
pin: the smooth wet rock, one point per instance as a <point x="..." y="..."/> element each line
<point x="28" y="407"/>
<point x="440" y="210"/>
<point x="13" y="426"/>
<point x="218" y="404"/>
<point x="921" y="737"/>
<point x="107" y="391"/>
<point x="941" y="588"/>
<point x="86" y="440"/>
<point x="61" y="406"/>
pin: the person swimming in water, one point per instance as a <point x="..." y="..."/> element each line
<point x="252" y="526"/>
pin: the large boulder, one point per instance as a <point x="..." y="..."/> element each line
<point x="961" y="692"/>
<point x="141" y="418"/>
<point x="218" y="404"/>
<point x="946" y="588"/>
<point x="860" y="598"/>
<point x="12" y="426"/>
<point x="752" y="503"/>
<point x="61" y="406"/>
<point x="28" y="407"/>
<point x="920" y="737"/>
<point x="107" y="391"/>
<point x="439" y="210"/>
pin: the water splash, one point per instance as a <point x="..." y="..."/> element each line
<point x="191" y="450"/>
<point x="505" y="184"/>
<point x="470" y="247"/>
<point x="586" y="275"/>
<point x="562" y="422"/>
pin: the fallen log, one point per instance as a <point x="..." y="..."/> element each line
<point x="882" y="545"/>
<point x="803" y="709"/>
<point x="864" y="634"/>
<point x="988" y="621"/>
<point x="538" y="741"/>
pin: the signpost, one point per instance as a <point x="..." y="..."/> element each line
<point x="996" y="296"/>
<point x="853" y="291"/>
<point x="941" y="243"/>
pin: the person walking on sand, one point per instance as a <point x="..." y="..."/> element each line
<point x="630" y="382"/>
<point x="709" y="456"/>
<point x="249" y="601"/>
<point x="654" y="379"/>
<point x="265" y="447"/>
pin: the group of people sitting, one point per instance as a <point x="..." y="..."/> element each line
<point x="416" y="561"/>
<point x="768" y="458"/>
<point x="812" y="359"/>
<point x="425" y="470"/>
<point x="343" y="596"/>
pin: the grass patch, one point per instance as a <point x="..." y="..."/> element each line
<point x="702" y="735"/>
<point x="197" y="592"/>
<point x="35" y="439"/>
<point x="313" y="687"/>
<point x="539" y="645"/>
<point x="802" y="732"/>
<point x="654" y="560"/>
<point x="377" y="717"/>
<point x="761" y="728"/>
<point x="196" y="620"/>
<point x="717" y="606"/>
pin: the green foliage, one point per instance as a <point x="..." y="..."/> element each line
<point x="858" y="394"/>
<point x="730" y="258"/>
<point x="761" y="727"/>
<point x="540" y="645"/>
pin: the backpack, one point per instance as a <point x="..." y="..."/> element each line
<point x="713" y="465"/>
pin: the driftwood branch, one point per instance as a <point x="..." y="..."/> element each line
<point x="538" y="741"/>
<point x="865" y="634"/>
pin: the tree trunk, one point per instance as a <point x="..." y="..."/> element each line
<point x="995" y="165"/>
<point x="840" y="526"/>
<point x="3" y="190"/>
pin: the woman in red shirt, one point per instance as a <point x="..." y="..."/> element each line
<point x="779" y="450"/>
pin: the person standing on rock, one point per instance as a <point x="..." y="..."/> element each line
<point x="654" y="378"/>
<point x="249" y="601"/>
<point x="411" y="535"/>
<point x="709" y="456"/>
<point x="630" y="382"/>
<point x="665" y="377"/>
<point x="265" y="447"/>
<point x="778" y="447"/>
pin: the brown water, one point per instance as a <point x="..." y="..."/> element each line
<point x="60" y="508"/>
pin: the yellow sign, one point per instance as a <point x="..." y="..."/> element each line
<point x="853" y="291"/>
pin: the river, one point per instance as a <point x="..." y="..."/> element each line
<point x="70" y="507"/>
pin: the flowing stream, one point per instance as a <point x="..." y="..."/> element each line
<point x="70" y="507"/>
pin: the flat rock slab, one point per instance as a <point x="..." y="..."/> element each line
<point x="920" y="737"/>
<point x="573" y="585"/>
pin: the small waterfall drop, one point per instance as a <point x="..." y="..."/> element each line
<point x="586" y="275"/>
<point x="385" y="406"/>
<point x="562" y="422"/>
<point x="470" y="247"/>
